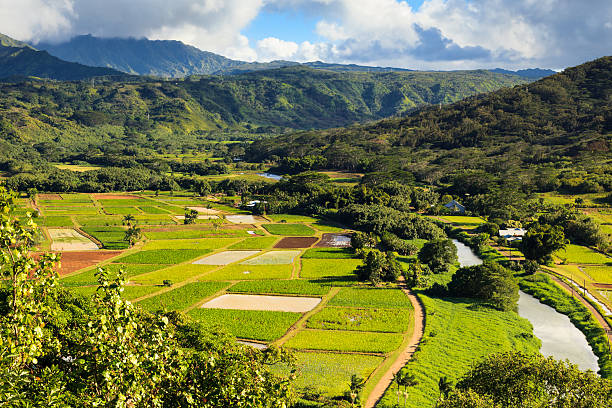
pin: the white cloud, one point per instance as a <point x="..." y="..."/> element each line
<point x="35" y="19"/>
<point x="272" y="48"/>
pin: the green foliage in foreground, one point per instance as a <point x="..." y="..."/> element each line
<point x="162" y="256"/>
<point x="511" y="380"/>
<point x="375" y="320"/>
<point x="345" y="341"/>
<point x="458" y="334"/>
<point x="546" y="291"/>
<point x="289" y="229"/>
<point x="248" y="324"/>
<point x="183" y="297"/>
<point x="285" y="287"/>
<point x="371" y="297"/>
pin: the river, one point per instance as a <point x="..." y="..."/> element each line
<point x="560" y="338"/>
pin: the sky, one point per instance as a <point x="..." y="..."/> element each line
<point x="416" y="34"/>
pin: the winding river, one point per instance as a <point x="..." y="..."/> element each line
<point x="560" y="338"/>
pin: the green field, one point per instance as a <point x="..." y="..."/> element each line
<point x="56" y="221"/>
<point x="183" y="297"/>
<point x="250" y="272"/>
<point x="458" y="335"/>
<point x="328" y="268"/>
<point x="122" y="211"/>
<point x="582" y="255"/>
<point x="129" y="292"/>
<point x="375" y="320"/>
<point x="273" y="258"/>
<point x="366" y="297"/>
<point x="297" y="230"/>
<point x="364" y="342"/>
<point x="291" y="218"/>
<point x="330" y="373"/>
<point x="111" y="237"/>
<point x="601" y="274"/>
<point x="129" y="202"/>
<point x="152" y="210"/>
<point x="88" y="277"/>
<point x="329" y="253"/>
<point x="176" y="274"/>
<point x="204" y="243"/>
<point x="180" y="233"/>
<point x="248" y="324"/>
<point x="255" y="243"/>
<point x="164" y="256"/>
<point x="285" y="287"/>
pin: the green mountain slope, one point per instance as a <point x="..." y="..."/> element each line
<point x="18" y="59"/>
<point x="560" y="119"/>
<point x="140" y="56"/>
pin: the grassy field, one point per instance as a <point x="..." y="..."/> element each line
<point x="330" y="373"/>
<point x="329" y="253"/>
<point x="205" y="243"/>
<point x="250" y="272"/>
<point x="601" y="274"/>
<point x="289" y="230"/>
<point x="364" y="342"/>
<point x="88" y="277"/>
<point x="457" y="335"/>
<point x="255" y="243"/>
<point x="111" y="237"/>
<point x="164" y="256"/>
<point x="152" y="210"/>
<point x="56" y="221"/>
<point x="375" y="320"/>
<point x="291" y="218"/>
<point x="122" y="210"/>
<point x="582" y="255"/>
<point x="129" y="202"/>
<point x="180" y="233"/>
<point x="183" y="297"/>
<point x="366" y="297"/>
<point x="176" y="274"/>
<point x="328" y="268"/>
<point x="248" y="324"/>
<point x="285" y="287"/>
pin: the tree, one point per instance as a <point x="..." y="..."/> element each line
<point x="417" y="275"/>
<point x="515" y="379"/>
<point x="490" y="282"/>
<point x="480" y="240"/>
<point x="132" y="235"/>
<point x="362" y="240"/>
<point x="541" y="241"/>
<point x="406" y="380"/>
<point x="445" y="386"/>
<point x="379" y="267"/>
<point x="128" y="220"/>
<point x="355" y="387"/>
<point x="438" y="254"/>
<point x="191" y="216"/>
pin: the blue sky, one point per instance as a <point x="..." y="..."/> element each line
<point x="416" y="34"/>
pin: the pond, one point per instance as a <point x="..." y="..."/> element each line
<point x="560" y="338"/>
<point x="270" y="176"/>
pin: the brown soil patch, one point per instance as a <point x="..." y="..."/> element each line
<point x="296" y="242"/>
<point x="116" y="197"/>
<point x="74" y="261"/>
<point x="330" y="240"/>
<point x="607" y="286"/>
<point x="50" y="197"/>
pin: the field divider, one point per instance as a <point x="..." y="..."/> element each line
<point x="301" y="323"/>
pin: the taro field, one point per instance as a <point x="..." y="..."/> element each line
<point x="277" y="280"/>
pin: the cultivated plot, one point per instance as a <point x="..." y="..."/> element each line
<point x="225" y="257"/>
<point x="296" y="242"/>
<point x="286" y="287"/>
<point x="64" y="239"/>
<point x="250" y="272"/>
<point x="273" y="258"/>
<point x="262" y="302"/>
<point x="243" y="219"/>
<point x="364" y="342"/>
<point x="330" y="240"/>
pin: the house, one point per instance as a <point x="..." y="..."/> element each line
<point x="253" y="203"/>
<point x="455" y="206"/>
<point x="512" y="234"/>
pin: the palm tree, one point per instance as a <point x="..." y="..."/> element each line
<point x="444" y="385"/>
<point x="132" y="235"/>
<point x="355" y="387"/>
<point x="405" y="379"/>
<point x="128" y="220"/>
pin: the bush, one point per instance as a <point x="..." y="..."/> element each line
<point x="438" y="254"/>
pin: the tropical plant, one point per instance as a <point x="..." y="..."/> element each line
<point x="191" y="216"/>
<point x="132" y="235"/>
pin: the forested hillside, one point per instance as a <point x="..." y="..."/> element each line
<point x="64" y="118"/>
<point x="553" y="123"/>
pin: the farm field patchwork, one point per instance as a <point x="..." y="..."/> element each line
<point x="248" y="324"/>
<point x="329" y="253"/>
<point x="225" y="257"/>
<point x="601" y="274"/>
<point x="111" y="237"/>
<point x="286" y="287"/>
<point x="273" y="258"/>
<point x="255" y="243"/>
<point x="582" y="255"/>
<point x="359" y="319"/>
<point x="122" y="210"/>
<point x="56" y="221"/>
<point x="181" y="233"/>
<point x="365" y="342"/>
<point x="289" y="229"/>
<point x="291" y="218"/>
<point x="183" y="297"/>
